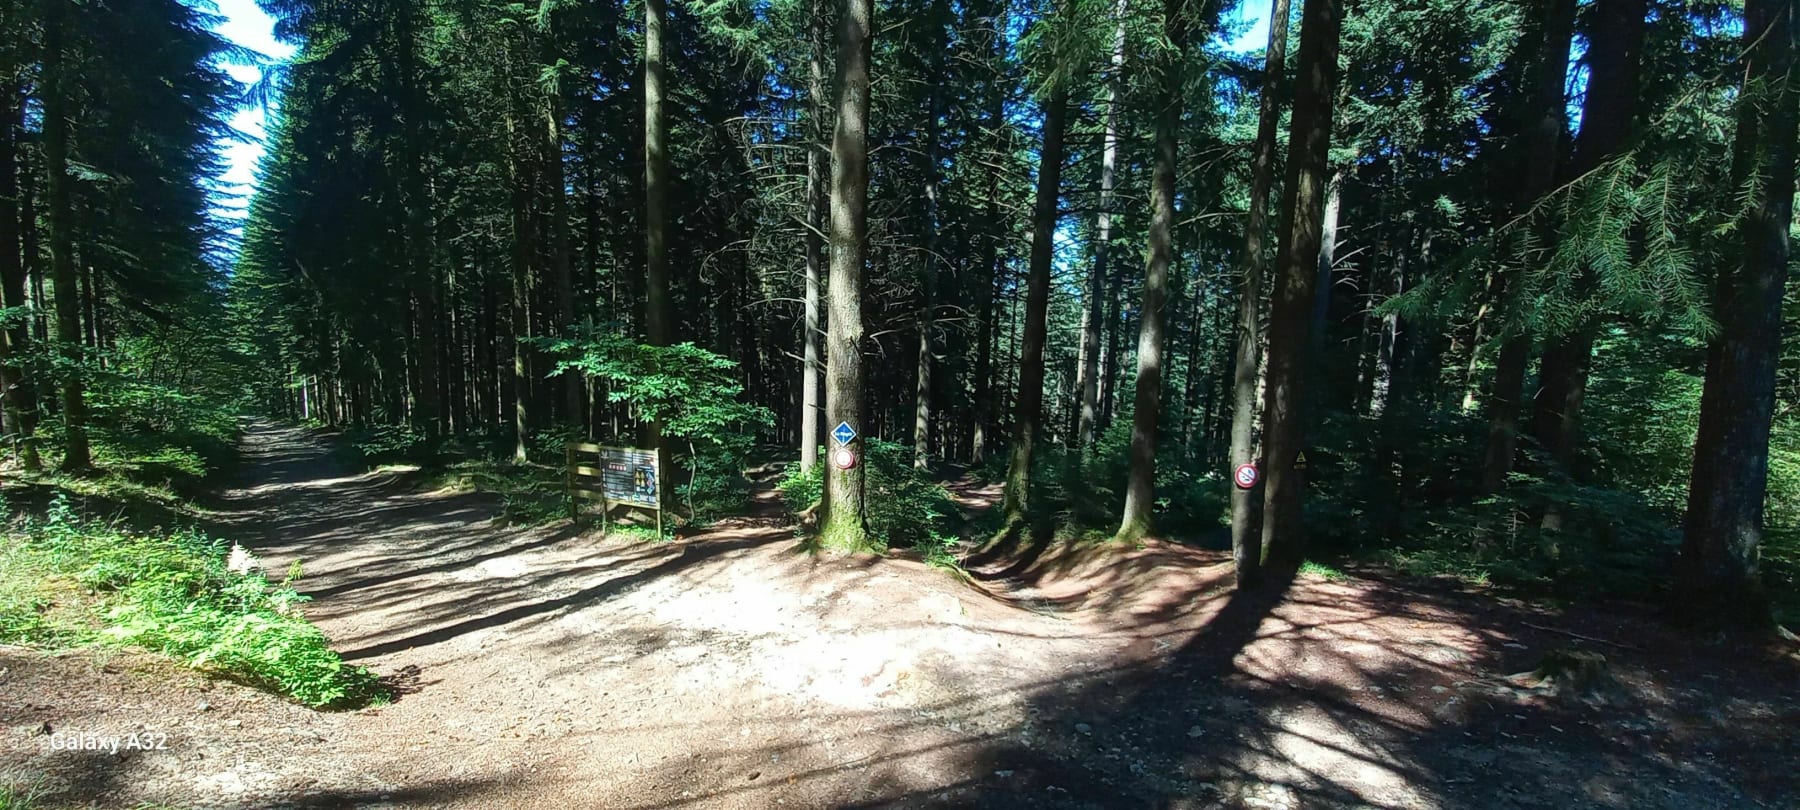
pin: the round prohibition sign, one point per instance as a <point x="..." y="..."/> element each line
<point x="1245" y="476"/>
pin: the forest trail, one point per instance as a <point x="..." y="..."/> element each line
<point x="555" y="669"/>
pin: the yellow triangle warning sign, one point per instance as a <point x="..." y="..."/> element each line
<point x="1300" y="458"/>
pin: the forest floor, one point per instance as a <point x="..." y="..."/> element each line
<point x="553" y="668"/>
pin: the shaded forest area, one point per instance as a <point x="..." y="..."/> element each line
<point x="1492" y="290"/>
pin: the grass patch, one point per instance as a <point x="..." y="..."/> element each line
<point x="21" y="796"/>
<point x="1323" y="571"/>
<point x="69" y="581"/>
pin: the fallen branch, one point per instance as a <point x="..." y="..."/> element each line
<point x="1578" y="636"/>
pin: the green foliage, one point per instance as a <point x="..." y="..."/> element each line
<point x="173" y="593"/>
<point x="530" y="494"/>
<point x="1323" y="571"/>
<point x="376" y="445"/>
<point x="1087" y="492"/>
<point x="19" y="796"/>
<point x="693" y="393"/>
<point x="157" y="431"/>
<point x="902" y="506"/>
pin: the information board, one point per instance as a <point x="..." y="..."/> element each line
<point x="615" y="476"/>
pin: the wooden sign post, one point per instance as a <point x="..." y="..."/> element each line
<point x="614" y="476"/>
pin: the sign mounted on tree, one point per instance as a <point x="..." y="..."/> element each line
<point x="843" y="434"/>
<point x="614" y="476"/>
<point x="1244" y="476"/>
<point x="843" y="458"/>
<point x="1300" y="460"/>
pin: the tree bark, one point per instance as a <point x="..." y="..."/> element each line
<point x="16" y="398"/>
<point x="60" y="220"/>
<point x="1088" y="374"/>
<point x="1607" y="113"/>
<point x="1534" y="164"/>
<point x="991" y="257"/>
<point x="1717" y="575"/>
<point x="1140" y="485"/>
<point x="574" y="405"/>
<point x="1290" y="312"/>
<point x="658" y="315"/>
<point x="1029" y="413"/>
<point x="1246" y="516"/>
<point x="420" y="249"/>
<point x="928" y="259"/>
<point x="844" y="526"/>
<point x="815" y="243"/>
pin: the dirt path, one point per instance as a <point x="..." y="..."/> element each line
<point x="546" y="668"/>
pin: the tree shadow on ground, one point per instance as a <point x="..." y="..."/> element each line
<point x="1303" y="693"/>
<point x="89" y="778"/>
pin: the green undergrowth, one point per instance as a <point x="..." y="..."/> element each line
<point x="707" y="481"/>
<point x="67" y="580"/>
<point x="903" y="507"/>
<point x="21" y="796"/>
<point x="531" y="494"/>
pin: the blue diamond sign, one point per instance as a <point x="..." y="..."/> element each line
<point x="843" y="433"/>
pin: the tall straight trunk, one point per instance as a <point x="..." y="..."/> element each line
<point x="419" y="250"/>
<point x="574" y="399"/>
<point x="928" y="259"/>
<point x="815" y="242"/>
<point x="1607" y="113"/>
<point x="1381" y="387"/>
<point x="985" y="335"/>
<point x="1717" y="575"/>
<point x="1328" y="239"/>
<point x="844" y="525"/>
<point x="1190" y="383"/>
<point x="658" y="315"/>
<point x="991" y="258"/>
<point x="1113" y="344"/>
<point x="1087" y="383"/>
<point x="16" y="398"/>
<point x="1246" y="514"/>
<point x="1028" y="418"/>
<point x="1140" y="484"/>
<point x="59" y="219"/>
<point x="1534" y="164"/>
<point x="1296" y="273"/>
<point x="519" y="309"/>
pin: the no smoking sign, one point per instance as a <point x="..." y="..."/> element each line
<point x="1244" y="476"/>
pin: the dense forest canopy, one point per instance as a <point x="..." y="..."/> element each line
<point x="1493" y="289"/>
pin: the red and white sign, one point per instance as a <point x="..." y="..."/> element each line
<point x="843" y="458"/>
<point x="1244" y="476"/>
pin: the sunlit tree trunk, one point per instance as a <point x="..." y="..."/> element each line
<point x="1140" y="485"/>
<point x="1087" y="383"/>
<point x="815" y="243"/>
<point x="1029" y="414"/>
<point x="844" y="526"/>
<point x="658" y="317"/>
<point x="1296" y="274"/>
<point x="1246" y="511"/>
